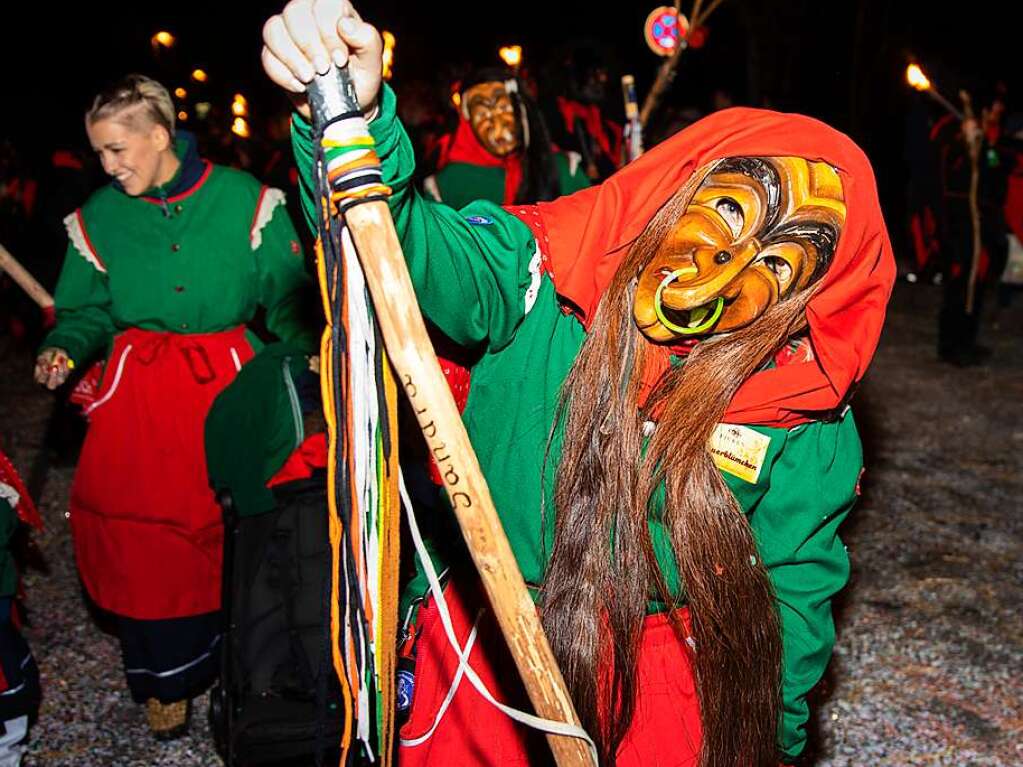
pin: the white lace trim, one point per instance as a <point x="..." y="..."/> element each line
<point x="431" y="187"/>
<point x="574" y="161"/>
<point x="76" y="234"/>
<point x="9" y="494"/>
<point x="534" y="279"/>
<point x="268" y="203"/>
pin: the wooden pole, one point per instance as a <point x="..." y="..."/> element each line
<point x="24" y="280"/>
<point x="665" y="73"/>
<point x="419" y="375"/>
<point x="973" y="146"/>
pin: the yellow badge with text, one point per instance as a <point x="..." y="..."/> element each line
<point x="739" y="450"/>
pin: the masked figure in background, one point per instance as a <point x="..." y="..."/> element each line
<point x="661" y="414"/>
<point x="959" y="329"/>
<point x="501" y="150"/>
<point x="576" y="118"/>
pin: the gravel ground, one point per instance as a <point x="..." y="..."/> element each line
<point x="928" y="669"/>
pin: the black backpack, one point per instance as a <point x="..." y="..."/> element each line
<point x="278" y="699"/>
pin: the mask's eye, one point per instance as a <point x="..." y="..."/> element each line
<point x="781" y="269"/>
<point x="730" y="211"/>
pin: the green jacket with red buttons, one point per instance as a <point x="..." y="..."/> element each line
<point x="477" y="277"/>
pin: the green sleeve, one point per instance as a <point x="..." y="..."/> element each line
<point x="470" y="268"/>
<point x="812" y="488"/>
<point x="572" y="179"/>
<point x="253" y="425"/>
<point x="84" y="326"/>
<point x="292" y="306"/>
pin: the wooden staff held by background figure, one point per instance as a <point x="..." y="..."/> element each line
<point x="419" y="375"/>
<point x="972" y="135"/>
<point x="25" y="281"/>
<point x="666" y="72"/>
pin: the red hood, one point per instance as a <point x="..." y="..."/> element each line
<point x="463" y="146"/>
<point x="589" y="233"/>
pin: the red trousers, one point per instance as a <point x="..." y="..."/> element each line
<point x="665" y="730"/>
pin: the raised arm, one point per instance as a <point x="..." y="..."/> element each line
<point x="470" y="268"/>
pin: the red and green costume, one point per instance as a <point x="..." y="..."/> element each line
<point x="468" y="172"/>
<point x="163" y="286"/>
<point x="522" y="283"/>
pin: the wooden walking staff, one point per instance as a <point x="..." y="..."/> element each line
<point x="419" y="374"/>
<point x="24" y="280"/>
<point x="973" y="147"/>
<point x="666" y="72"/>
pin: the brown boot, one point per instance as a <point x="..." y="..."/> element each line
<point x="167" y="721"/>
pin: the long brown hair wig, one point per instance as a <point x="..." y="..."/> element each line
<point x="603" y="570"/>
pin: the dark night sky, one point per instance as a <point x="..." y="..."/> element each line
<point x="840" y="60"/>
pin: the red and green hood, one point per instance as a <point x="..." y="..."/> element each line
<point x="584" y="238"/>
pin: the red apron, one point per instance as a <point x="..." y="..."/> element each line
<point x="147" y="530"/>
<point x="665" y="730"/>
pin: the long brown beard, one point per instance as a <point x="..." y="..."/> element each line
<point x="603" y="570"/>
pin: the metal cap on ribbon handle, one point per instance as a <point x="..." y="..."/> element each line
<point x="352" y="166"/>
<point x="332" y="95"/>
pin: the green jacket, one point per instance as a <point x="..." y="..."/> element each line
<point x="253" y="426"/>
<point x="476" y="275"/>
<point x="200" y="263"/>
<point x="459" y="183"/>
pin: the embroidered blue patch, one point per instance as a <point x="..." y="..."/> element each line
<point x="406" y="684"/>
<point x="479" y="220"/>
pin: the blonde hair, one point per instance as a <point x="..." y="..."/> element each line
<point x="137" y="102"/>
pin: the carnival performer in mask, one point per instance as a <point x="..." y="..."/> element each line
<point x="165" y="266"/>
<point x="501" y="150"/>
<point x="662" y="416"/>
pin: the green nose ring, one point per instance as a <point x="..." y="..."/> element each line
<point x="704" y="326"/>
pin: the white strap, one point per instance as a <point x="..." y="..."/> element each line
<point x="412" y="742"/>
<point x="530" y="720"/>
<point x="113" y="387"/>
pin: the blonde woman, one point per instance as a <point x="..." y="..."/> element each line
<point x="165" y="266"/>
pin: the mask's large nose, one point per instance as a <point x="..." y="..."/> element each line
<point x="713" y="271"/>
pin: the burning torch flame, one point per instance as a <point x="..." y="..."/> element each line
<point x="389" y="42"/>
<point x="919" y="81"/>
<point x="916" y="78"/>
<point x="240" y="127"/>
<point x="511" y="55"/>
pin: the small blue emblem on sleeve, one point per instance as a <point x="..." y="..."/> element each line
<point x="479" y="220"/>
